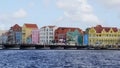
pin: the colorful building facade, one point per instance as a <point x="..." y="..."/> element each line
<point x="104" y="35"/>
<point x="65" y="34"/>
<point x="29" y="39"/>
<point x="75" y="37"/>
<point x="15" y="35"/>
<point x="27" y="31"/>
<point x="85" y="39"/>
<point x="35" y="36"/>
<point x="47" y="34"/>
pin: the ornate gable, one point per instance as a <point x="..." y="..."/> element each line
<point x="103" y="31"/>
<point x="92" y="30"/>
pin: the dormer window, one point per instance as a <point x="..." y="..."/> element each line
<point x="100" y="35"/>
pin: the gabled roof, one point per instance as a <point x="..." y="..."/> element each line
<point x="31" y="25"/>
<point x="99" y="29"/>
<point x="44" y="27"/>
<point x="15" y="27"/>
<point x="48" y="26"/>
<point x="51" y="26"/>
<point x="115" y="29"/>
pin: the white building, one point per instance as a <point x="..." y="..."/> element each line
<point x="47" y="34"/>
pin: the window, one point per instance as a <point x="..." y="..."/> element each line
<point x="90" y="35"/>
<point x="62" y="28"/>
<point x="100" y="35"/>
<point x="111" y="32"/>
<point x="51" y="37"/>
<point x="50" y="29"/>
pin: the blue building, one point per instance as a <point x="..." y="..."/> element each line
<point x="86" y="39"/>
<point x="18" y="37"/>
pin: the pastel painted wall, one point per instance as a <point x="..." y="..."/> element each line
<point x="4" y="39"/>
<point x="26" y="33"/>
<point x="29" y="40"/>
<point x="85" y="39"/>
<point x="74" y="37"/>
<point x="35" y="36"/>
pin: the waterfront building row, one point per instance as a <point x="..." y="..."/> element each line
<point x="31" y="34"/>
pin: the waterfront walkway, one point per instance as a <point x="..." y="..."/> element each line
<point x="57" y="47"/>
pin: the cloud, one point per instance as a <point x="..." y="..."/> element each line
<point x="21" y="13"/>
<point x="77" y="11"/>
<point x="110" y="3"/>
<point x="90" y="18"/>
<point x="9" y="19"/>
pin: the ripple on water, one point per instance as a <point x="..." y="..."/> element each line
<point x="59" y="59"/>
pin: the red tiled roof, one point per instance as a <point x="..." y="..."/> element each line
<point x="99" y="29"/>
<point x="48" y="26"/>
<point x="107" y="29"/>
<point x="63" y="30"/>
<point x="44" y="27"/>
<point x="51" y="26"/>
<point x="115" y="29"/>
<point x="31" y="25"/>
<point x="16" y="27"/>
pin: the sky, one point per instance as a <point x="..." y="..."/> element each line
<point x="62" y="13"/>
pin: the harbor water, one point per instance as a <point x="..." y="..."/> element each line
<point x="59" y="59"/>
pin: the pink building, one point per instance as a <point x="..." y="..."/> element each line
<point x="35" y="36"/>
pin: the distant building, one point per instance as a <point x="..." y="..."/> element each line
<point x="3" y="31"/>
<point x="3" y="38"/>
<point x="3" y="35"/>
<point x="27" y="31"/>
<point x="67" y="35"/>
<point x="104" y="35"/>
<point x="47" y="34"/>
<point x="15" y="35"/>
<point x="35" y="36"/>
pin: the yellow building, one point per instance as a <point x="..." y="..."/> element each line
<point x="27" y="31"/>
<point x="104" y="35"/>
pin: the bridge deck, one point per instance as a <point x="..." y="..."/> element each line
<point x="75" y="47"/>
